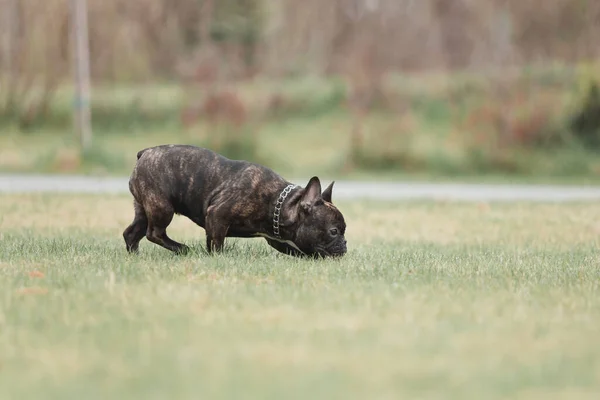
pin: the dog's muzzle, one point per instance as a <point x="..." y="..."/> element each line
<point x="335" y="249"/>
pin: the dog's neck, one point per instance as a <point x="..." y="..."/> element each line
<point x="278" y="208"/>
<point x="278" y="230"/>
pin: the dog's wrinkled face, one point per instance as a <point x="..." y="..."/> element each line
<point x="320" y="226"/>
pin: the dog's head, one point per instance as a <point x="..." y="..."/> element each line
<point x="318" y="227"/>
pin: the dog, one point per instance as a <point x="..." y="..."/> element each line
<point x="230" y="198"/>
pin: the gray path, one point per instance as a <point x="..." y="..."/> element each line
<point x="343" y="190"/>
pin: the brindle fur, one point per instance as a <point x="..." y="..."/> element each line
<point x="228" y="198"/>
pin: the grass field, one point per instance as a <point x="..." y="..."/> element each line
<point x="433" y="300"/>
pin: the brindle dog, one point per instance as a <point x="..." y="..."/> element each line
<point x="230" y="198"/>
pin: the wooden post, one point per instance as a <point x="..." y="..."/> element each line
<point x="81" y="66"/>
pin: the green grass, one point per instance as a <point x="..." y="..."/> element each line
<point x="433" y="300"/>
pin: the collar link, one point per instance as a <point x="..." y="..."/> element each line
<point x="278" y="205"/>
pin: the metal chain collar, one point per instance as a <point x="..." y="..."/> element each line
<point x="285" y="192"/>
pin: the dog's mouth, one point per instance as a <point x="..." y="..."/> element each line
<point x="337" y="250"/>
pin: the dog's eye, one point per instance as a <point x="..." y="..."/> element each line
<point x="333" y="231"/>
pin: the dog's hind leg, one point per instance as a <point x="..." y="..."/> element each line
<point x="137" y="230"/>
<point x="159" y="217"/>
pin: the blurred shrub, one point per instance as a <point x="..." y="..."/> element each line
<point x="69" y="159"/>
<point x="586" y="123"/>
<point x="106" y="117"/>
<point x="306" y="104"/>
<point x="132" y="116"/>
<point x="227" y="126"/>
<point x="585" y="119"/>
<point x="26" y="105"/>
<point x="388" y="145"/>
<point x="520" y="120"/>
<point x="513" y="125"/>
<point x="235" y="143"/>
<point x="225" y="108"/>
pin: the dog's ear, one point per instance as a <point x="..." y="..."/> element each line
<point x="327" y="193"/>
<point x="312" y="193"/>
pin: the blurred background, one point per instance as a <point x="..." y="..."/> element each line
<point x="384" y="89"/>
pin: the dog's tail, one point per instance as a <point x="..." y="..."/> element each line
<point x="139" y="154"/>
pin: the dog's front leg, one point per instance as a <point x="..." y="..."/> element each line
<point x="216" y="229"/>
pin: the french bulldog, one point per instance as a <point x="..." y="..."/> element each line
<point x="230" y="198"/>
